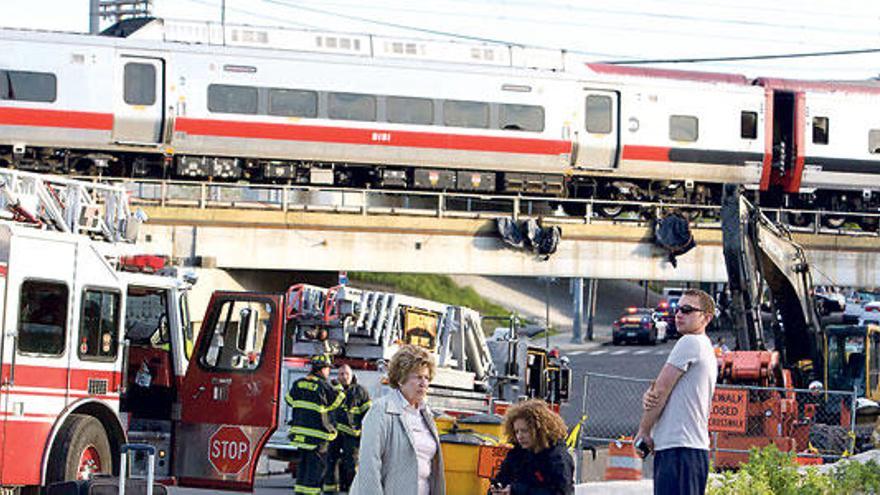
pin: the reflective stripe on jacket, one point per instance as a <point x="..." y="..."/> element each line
<point x="313" y="402"/>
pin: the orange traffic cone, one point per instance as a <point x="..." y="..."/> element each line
<point x="623" y="461"/>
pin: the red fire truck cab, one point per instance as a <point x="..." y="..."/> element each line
<point x="97" y="351"/>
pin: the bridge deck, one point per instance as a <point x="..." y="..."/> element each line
<point x="310" y="240"/>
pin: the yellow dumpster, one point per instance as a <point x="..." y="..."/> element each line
<point x="484" y="424"/>
<point x="460" y="456"/>
<point x="444" y="423"/>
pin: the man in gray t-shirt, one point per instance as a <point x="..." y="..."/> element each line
<point x="675" y="422"/>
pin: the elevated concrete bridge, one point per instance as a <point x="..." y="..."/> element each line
<point x="230" y="238"/>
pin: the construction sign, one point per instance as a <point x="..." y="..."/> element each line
<point x="729" y="410"/>
<point x="490" y="459"/>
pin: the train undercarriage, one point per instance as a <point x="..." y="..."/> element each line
<point x="620" y="197"/>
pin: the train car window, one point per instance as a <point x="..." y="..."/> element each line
<point x="140" y="84"/>
<point x="598" y="114"/>
<point x="293" y="103"/>
<point x="683" y="128"/>
<point x="28" y="86"/>
<point x="42" y="317"/>
<point x="748" y="125"/>
<point x="98" y="324"/>
<point x="521" y="118"/>
<point x="458" y="113"/>
<point x="351" y="106"/>
<point x="404" y="110"/>
<point x="874" y="141"/>
<point x="225" y="98"/>
<point x="820" y="130"/>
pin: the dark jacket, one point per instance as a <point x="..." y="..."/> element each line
<point x="357" y="403"/>
<point x="313" y="402"/>
<point x="549" y="472"/>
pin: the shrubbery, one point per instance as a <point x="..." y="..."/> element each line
<point x="771" y="472"/>
<point x="439" y="288"/>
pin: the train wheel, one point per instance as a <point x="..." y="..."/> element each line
<point x="81" y="450"/>
<point x="834" y="221"/>
<point x="799" y="219"/>
<point x="609" y="211"/>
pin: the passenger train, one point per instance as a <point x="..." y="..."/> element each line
<point x="370" y="112"/>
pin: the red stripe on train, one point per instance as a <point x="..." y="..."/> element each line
<point x="647" y="153"/>
<point x="380" y="137"/>
<point x="56" y="118"/>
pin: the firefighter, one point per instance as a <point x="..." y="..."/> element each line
<point x="313" y="402"/>
<point x="344" y="450"/>
<point x="334" y="451"/>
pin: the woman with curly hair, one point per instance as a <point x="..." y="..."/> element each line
<point x="400" y="447"/>
<point x="539" y="463"/>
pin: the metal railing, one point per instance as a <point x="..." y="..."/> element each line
<point x="169" y="193"/>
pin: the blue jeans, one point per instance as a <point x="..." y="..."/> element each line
<point x="681" y="471"/>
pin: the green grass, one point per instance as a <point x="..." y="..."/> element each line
<point x="439" y="288"/>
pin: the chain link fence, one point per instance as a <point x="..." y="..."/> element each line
<point x="817" y="426"/>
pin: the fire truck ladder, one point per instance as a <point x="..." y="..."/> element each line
<point x="67" y="205"/>
<point x="369" y="322"/>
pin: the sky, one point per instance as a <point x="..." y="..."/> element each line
<point x="602" y="30"/>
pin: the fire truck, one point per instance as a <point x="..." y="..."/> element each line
<point x="364" y="328"/>
<point x="97" y="349"/>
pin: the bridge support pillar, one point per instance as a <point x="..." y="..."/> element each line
<point x="578" y="310"/>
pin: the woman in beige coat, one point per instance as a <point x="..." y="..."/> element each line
<point x="400" y="447"/>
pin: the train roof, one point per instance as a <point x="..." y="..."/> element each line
<point x="682" y="75"/>
<point x="798" y="85"/>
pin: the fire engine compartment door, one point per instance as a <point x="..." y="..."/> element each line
<point x="597" y="136"/>
<point x="139" y="101"/>
<point x="229" y="396"/>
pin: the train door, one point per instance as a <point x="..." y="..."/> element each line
<point x="787" y="151"/>
<point x="229" y="396"/>
<point x="139" y="100"/>
<point x="597" y="136"/>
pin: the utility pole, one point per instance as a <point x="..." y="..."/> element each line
<point x="94" y="17"/>
<point x="223" y="19"/>
<point x="117" y="10"/>
<point x="578" y="309"/>
<point x="547" y="312"/>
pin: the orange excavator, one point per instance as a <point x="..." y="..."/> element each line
<point x="789" y="351"/>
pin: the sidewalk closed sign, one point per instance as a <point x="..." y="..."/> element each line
<point x="729" y="410"/>
<point x="490" y="459"/>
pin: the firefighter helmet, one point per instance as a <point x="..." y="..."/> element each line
<point x="320" y="361"/>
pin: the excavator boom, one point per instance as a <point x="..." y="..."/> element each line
<point x="760" y="256"/>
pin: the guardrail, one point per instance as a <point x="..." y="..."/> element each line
<point x="168" y="193"/>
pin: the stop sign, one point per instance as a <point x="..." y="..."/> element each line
<point x="229" y="449"/>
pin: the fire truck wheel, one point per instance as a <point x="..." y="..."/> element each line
<point x="80" y="450"/>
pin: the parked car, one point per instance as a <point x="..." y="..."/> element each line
<point x="635" y="325"/>
<point x="870" y="313"/>
<point x="665" y="313"/>
<point x="855" y="305"/>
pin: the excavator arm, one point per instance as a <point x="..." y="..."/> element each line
<point x="761" y="255"/>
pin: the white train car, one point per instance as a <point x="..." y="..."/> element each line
<point x="366" y="111"/>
